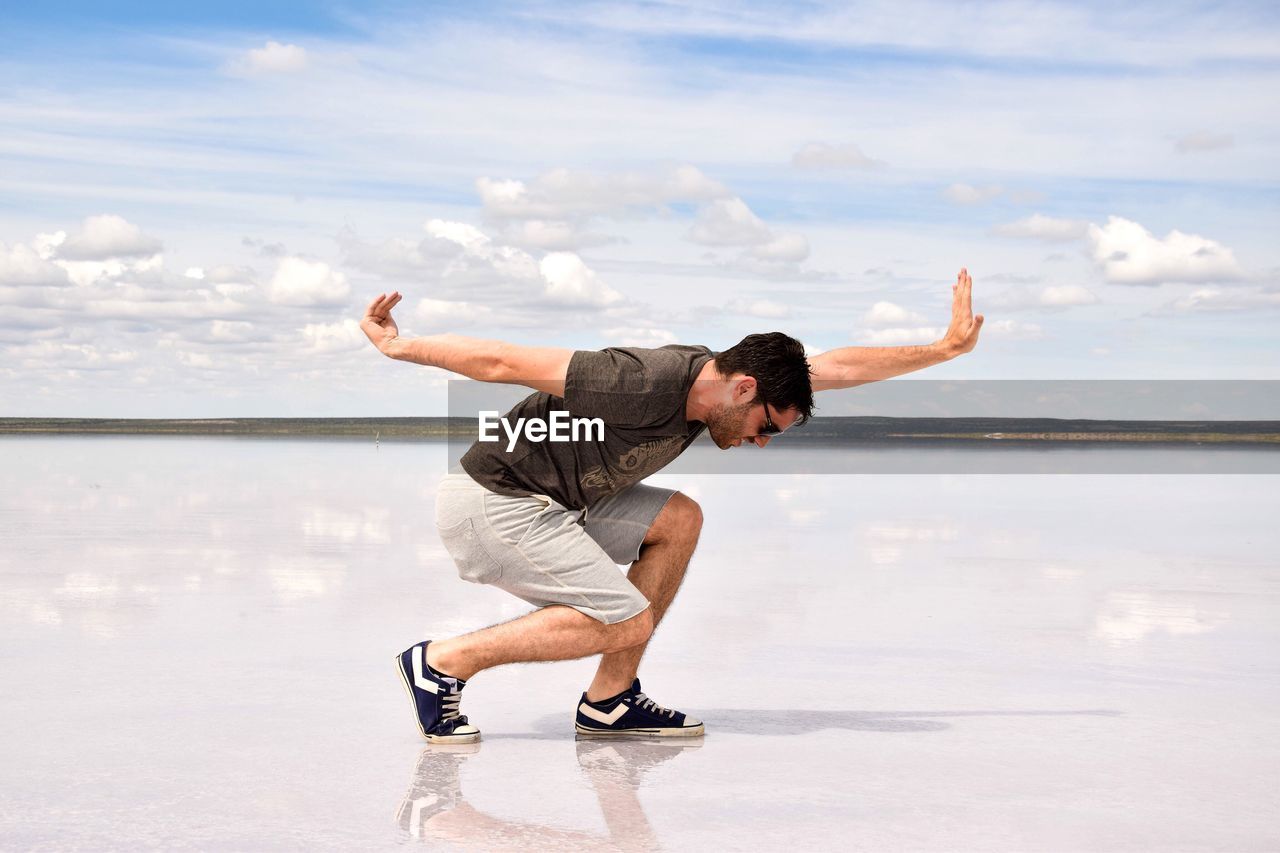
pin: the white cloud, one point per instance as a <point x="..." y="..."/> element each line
<point x="232" y="281"/>
<point x="138" y="291"/>
<point x="1127" y="253"/>
<point x="1051" y="298"/>
<point x="198" y="360"/>
<point x="343" y="336"/>
<point x="22" y="266"/>
<point x="1203" y="141"/>
<point x="1066" y="296"/>
<point x="231" y="291"/>
<point x="230" y="331"/>
<point x="302" y="282"/>
<point x="151" y="305"/>
<point x="85" y="273"/>
<point x="1012" y="330"/>
<point x="481" y="261"/>
<point x="464" y="259"/>
<point x="629" y="337"/>
<point x="886" y="314"/>
<point x="783" y="247"/>
<point x="1045" y="228"/>
<point x="551" y="234"/>
<point x="1204" y="300"/>
<point x="503" y="199"/>
<point x="747" y="263"/>
<point x="763" y="308"/>
<point x="823" y="155"/>
<point x="441" y="315"/>
<point x="106" y="237"/>
<point x="60" y="354"/>
<point x="557" y="210"/>
<point x="467" y="236"/>
<point x="46" y="245"/>
<point x="566" y="195"/>
<point x="272" y="58"/>
<point x="571" y="282"/>
<point x="969" y="195"/>
<point x="729" y="222"/>
<point x="508" y="271"/>
<point x="896" y="337"/>
<point x="409" y="258"/>
<point x="229" y="274"/>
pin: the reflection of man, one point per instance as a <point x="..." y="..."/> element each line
<point x="435" y="809"/>
<point x="550" y="522"/>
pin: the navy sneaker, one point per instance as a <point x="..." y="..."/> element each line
<point x="633" y="713"/>
<point x="435" y="698"/>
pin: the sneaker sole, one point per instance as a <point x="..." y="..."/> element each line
<point x="408" y="689"/>
<point x="685" y="731"/>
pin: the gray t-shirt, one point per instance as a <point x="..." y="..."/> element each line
<point x="639" y="393"/>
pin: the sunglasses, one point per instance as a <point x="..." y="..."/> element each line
<point x="769" y="428"/>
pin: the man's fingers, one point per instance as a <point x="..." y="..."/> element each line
<point x="959" y="293"/>
<point x="388" y="302"/>
<point x="379" y="307"/>
<point x="962" y="285"/>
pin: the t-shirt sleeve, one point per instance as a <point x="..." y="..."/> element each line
<point x="625" y="386"/>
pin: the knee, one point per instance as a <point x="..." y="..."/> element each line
<point x="690" y="511"/>
<point x="681" y="517"/>
<point x="631" y="632"/>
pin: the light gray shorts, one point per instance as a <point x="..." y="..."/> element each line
<point x="538" y="550"/>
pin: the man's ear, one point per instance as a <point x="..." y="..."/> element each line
<point x="744" y="389"/>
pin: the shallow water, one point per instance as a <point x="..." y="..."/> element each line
<point x="198" y="638"/>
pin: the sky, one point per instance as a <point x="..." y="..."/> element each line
<point x="197" y="201"/>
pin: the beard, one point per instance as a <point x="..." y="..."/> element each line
<point x="727" y="423"/>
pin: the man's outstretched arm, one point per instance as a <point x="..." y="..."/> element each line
<point x="540" y="368"/>
<point x="850" y="366"/>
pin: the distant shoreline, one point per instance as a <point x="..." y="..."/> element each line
<point x="823" y="430"/>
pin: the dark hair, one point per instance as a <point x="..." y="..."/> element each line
<point x="777" y="363"/>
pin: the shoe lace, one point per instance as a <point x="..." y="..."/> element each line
<point x="649" y="705"/>
<point x="449" y="706"/>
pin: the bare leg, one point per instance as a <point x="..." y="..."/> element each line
<point x="551" y="633"/>
<point x="657" y="574"/>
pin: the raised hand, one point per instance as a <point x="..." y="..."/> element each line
<point x="377" y="323"/>
<point x="962" y="334"/>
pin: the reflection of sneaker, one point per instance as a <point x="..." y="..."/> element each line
<point x="435" y="698"/>
<point x="630" y="758"/>
<point x="434" y="787"/>
<point x="633" y="713"/>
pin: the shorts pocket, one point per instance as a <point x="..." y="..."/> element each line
<point x="474" y="562"/>
<point x="510" y="519"/>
